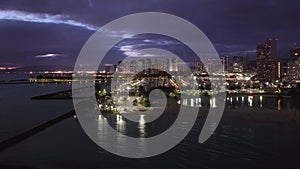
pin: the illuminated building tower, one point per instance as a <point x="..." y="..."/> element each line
<point x="199" y="66"/>
<point x="211" y="65"/>
<point x="225" y="63"/>
<point x="161" y="64"/>
<point x="278" y="70"/>
<point x="238" y="64"/>
<point x="141" y="64"/>
<point x="294" y="66"/>
<point x="149" y="63"/>
<point x="173" y="65"/>
<point x="266" y="61"/>
<point x="133" y="66"/>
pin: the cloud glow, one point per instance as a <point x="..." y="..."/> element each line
<point x="43" y="18"/>
<point x="49" y="55"/>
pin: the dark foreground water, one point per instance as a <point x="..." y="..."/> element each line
<point x="239" y="142"/>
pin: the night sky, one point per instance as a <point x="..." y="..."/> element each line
<point x="52" y="32"/>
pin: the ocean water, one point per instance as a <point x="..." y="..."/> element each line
<point x="4" y="76"/>
<point x="234" y="145"/>
<point x="19" y="113"/>
<point x="240" y="144"/>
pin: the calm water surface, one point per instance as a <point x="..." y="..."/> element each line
<point x="235" y="144"/>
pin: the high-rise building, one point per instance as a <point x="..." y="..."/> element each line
<point x="279" y="69"/>
<point x="149" y="63"/>
<point x="238" y="64"/>
<point x="294" y="65"/>
<point x="199" y="66"/>
<point x="173" y="65"/>
<point x="141" y="64"/>
<point x="225" y="63"/>
<point x="133" y="66"/>
<point x="211" y="65"/>
<point x="266" y="61"/>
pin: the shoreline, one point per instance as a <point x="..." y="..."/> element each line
<point x="69" y="95"/>
<point x="260" y="115"/>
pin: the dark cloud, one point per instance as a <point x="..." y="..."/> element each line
<point x="233" y="26"/>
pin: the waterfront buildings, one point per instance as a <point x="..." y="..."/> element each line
<point x="294" y="65"/>
<point x="238" y="64"/>
<point x="138" y="64"/>
<point x="267" y="64"/>
<point x="199" y="66"/>
<point x="225" y="63"/>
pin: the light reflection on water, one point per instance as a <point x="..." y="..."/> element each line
<point x="142" y="126"/>
<point x="119" y="123"/>
<point x="247" y="102"/>
<point x="246" y="145"/>
<point x="271" y="102"/>
<point x="142" y="129"/>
